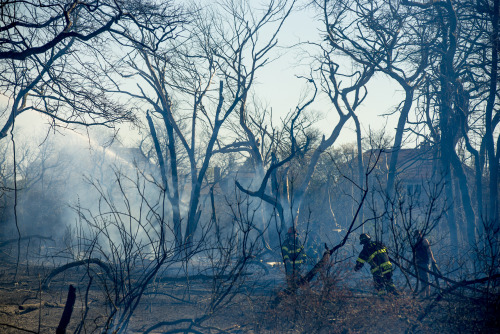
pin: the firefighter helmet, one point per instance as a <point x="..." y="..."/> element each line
<point x="364" y="238"/>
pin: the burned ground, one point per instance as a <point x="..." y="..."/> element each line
<point x="330" y="304"/>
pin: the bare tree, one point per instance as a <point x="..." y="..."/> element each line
<point x="224" y="47"/>
<point x="44" y="60"/>
<point x="464" y="53"/>
<point x="444" y="58"/>
<point x="384" y="36"/>
<point x="30" y="28"/>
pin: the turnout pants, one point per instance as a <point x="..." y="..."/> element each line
<point x="384" y="284"/>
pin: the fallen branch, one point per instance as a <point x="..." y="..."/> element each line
<point x="155" y="293"/>
<point x="27" y="308"/>
<point x="57" y="271"/>
<point x="191" y="322"/>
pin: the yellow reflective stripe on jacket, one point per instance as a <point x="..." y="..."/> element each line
<point x="286" y="258"/>
<point x="292" y="250"/>
<point x="383" y="250"/>
<point x="360" y="260"/>
<point x="386" y="267"/>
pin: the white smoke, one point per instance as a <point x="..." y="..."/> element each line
<point x="55" y="172"/>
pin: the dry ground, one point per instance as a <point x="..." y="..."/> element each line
<point x="319" y="308"/>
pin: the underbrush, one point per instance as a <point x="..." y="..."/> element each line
<point x="467" y="315"/>
<point x="327" y="305"/>
<point x="335" y="309"/>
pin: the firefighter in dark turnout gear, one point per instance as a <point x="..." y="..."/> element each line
<point x="314" y="248"/>
<point x="294" y="256"/>
<point x="423" y="255"/>
<point x="375" y="253"/>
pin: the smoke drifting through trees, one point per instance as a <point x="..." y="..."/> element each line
<point x="212" y="182"/>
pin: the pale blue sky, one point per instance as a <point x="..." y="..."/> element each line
<point x="280" y="89"/>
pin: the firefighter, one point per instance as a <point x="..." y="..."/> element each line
<point x="423" y="255"/>
<point x="314" y="248"/>
<point x="294" y="256"/>
<point x="375" y="253"/>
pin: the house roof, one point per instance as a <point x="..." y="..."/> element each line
<point x="414" y="164"/>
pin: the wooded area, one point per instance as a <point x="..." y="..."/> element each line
<point x="164" y="187"/>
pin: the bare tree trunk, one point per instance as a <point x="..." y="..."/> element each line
<point x="68" y="311"/>
<point x="398" y="139"/>
<point x="175" y="196"/>
<point x="466" y="200"/>
<point x="478" y="177"/>
<point x="493" y="158"/>
<point x="194" y="212"/>
<point x="361" y="173"/>
<point x="450" y="216"/>
<point x="447" y="73"/>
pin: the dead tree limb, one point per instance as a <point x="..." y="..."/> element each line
<point x="57" y="271"/>
<point x="190" y="322"/>
<point x="68" y="310"/>
<point x="435" y="274"/>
